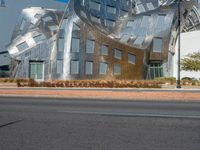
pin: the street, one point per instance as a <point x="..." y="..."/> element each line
<point x="71" y="124"/>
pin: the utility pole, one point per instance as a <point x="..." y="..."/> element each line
<point x="179" y="46"/>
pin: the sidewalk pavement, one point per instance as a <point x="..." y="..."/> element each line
<point x="106" y="94"/>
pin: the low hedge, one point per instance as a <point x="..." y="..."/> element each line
<point x="164" y="80"/>
<point x="156" y="83"/>
<point x="91" y="84"/>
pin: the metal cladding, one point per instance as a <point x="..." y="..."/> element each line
<point x="101" y="39"/>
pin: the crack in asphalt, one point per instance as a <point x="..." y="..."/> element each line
<point x="10" y="123"/>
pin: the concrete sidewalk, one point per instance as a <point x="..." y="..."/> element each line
<point x="106" y="94"/>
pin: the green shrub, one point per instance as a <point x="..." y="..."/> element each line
<point x="164" y="80"/>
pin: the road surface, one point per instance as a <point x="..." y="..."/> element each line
<point x="67" y="124"/>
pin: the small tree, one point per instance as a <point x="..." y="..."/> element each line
<point x="191" y="62"/>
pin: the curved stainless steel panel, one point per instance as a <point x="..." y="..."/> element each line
<point x="93" y="39"/>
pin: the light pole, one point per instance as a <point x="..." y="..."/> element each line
<point x="179" y="46"/>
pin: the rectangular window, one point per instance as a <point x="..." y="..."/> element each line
<point x="90" y="46"/>
<point x="150" y="6"/>
<point x="160" y="24"/>
<point x="88" y="67"/>
<point x="141" y="8"/>
<point x="23" y="23"/>
<point x="139" y="41"/>
<point x="110" y="23"/>
<point x="75" y="45"/>
<point x="61" y="43"/>
<point x="22" y="46"/>
<point x="39" y="38"/>
<point x="111" y="9"/>
<point x="125" y="38"/>
<point x="36" y="70"/>
<point x="104" y="50"/>
<point x="103" y="68"/>
<point x="118" y="53"/>
<point x="117" y="69"/>
<point x="123" y="12"/>
<point x="157" y="45"/>
<point x="131" y="58"/>
<point x="74" y="67"/>
<point x="95" y="5"/>
<point x="95" y="19"/>
<point x="59" y="66"/>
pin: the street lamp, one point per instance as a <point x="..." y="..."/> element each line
<point x="179" y="46"/>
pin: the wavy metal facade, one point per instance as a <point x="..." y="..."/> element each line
<point x="95" y="39"/>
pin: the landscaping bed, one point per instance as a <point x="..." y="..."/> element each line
<point x="157" y="83"/>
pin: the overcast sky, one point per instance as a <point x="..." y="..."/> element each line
<point x="10" y="14"/>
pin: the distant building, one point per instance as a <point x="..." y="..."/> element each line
<point x="107" y="39"/>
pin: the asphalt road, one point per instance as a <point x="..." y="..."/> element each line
<point x="50" y="124"/>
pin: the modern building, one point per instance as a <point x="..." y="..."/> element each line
<point x="100" y="39"/>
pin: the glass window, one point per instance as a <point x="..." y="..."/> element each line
<point x="141" y="8"/>
<point x="61" y="45"/>
<point x="40" y="71"/>
<point x="157" y="45"/>
<point x="61" y="33"/>
<point x="95" y="5"/>
<point x="104" y="50"/>
<point x="125" y="38"/>
<point x="22" y="46"/>
<point x="59" y="66"/>
<point x="160" y="24"/>
<point x="74" y="67"/>
<point x="88" y="67"/>
<point x="131" y="58"/>
<point x="75" y="45"/>
<point x="110" y="23"/>
<point x="118" y="53"/>
<point x="90" y="46"/>
<point x="95" y="19"/>
<point x="144" y="26"/>
<point x="117" y="69"/>
<point x="103" y="68"/>
<point x="39" y="38"/>
<point x="111" y="9"/>
<point x="139" y="41"/>
<point x="32" y="71"/>
<point x="23" y="23"/>
<point x="36" y="70"/>
<point x="123" y="12"/>
<point x="150" y="6"/>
